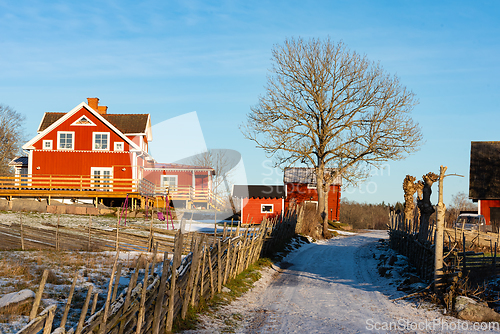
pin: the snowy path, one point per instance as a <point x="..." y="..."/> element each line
<point x="333" y="287"/>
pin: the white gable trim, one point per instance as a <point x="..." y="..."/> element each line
<point x="77" y="122"/>
<point x="29" y="145"/>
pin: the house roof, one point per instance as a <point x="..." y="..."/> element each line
<point x="306" y="175"/>
<point x="19" y="161"/>
<point x="180" y="167"/>
<point x="65" y="116"/>
<point x="259" y="191"/>
<point x="126" y="123"/>
<point x="484" y="174"/>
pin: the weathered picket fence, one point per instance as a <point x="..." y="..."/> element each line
<point x="151" y="306"/>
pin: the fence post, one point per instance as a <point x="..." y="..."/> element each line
<point x="48" y="322"/>
<point x="117" y="281"/>
<point x="161" y="293"/>
<point x="192" y="269"/>
<point x="84" y="310"/>
<point x="212" y="289"/>
<point x="38" y="296"/>
<point x="90" y="223"/>
<point x="219" y="267"/>
<point x="176" y="262"/>
<point x="193" y="293"/>
<point x="68" y="303"/>
<point x="131" y="286"/>
<point x="102" y="327"/>
<point x="22" y="232"/>
<point x="142" y="311"/>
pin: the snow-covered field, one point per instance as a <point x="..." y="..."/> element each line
<point x="21" y="270"/>
<point x="330" y="286"/>
<point x="334" y="286"/>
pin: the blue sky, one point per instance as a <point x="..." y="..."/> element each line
<point x="169" y="58"/>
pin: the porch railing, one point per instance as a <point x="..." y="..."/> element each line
<point x="67" y="183"/>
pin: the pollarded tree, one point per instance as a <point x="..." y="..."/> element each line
<point x="328" y="107"/>
<point x="11" y="136"/>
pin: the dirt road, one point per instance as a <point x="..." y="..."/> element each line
<point x="334" y="287"/>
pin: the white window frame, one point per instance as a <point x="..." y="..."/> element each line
<point x="75" y="123"/>
<point x="311" y="186"/>
<point x="119" y="143"/>
<point x="164" y="184"/>
<point x="107" y="186"/>
<point x="312" y="202"/>
<point x="49" y="147"/>
<point x="59" y="133"/>
<point x="94" y="134"/>
<point x="264" y="205"/>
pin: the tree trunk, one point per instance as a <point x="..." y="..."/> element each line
<point x="438" y="241"/>
<point x="322" y="198"/>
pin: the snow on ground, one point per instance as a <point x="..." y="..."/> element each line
<point x="23" y="269"/>
<point x="333" y="286"/>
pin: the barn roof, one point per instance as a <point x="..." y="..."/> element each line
<point x="126" y="123"/>
<point x="484" y="174"/>
<point x="259" y="191"/>
<point x="306" y="175"/>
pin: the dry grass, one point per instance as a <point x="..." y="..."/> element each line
<point x="310" y="225"/>
<point x="11" y="313"/>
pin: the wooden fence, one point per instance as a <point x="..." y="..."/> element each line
<point x="403" y="238"/>
<point x="461" y="253"/>
<point x="151" y="306"/>
<point x="132" y="237"/>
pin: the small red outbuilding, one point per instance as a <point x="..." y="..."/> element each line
<point x="259" y="202"/>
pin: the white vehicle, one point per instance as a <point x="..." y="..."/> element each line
<point x="471" y="221"/>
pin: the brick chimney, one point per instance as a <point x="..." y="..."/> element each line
<point x="102" y="110"/>
<point x="93" y="103"/>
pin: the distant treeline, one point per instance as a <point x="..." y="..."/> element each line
<point x="375" y="216"/>
<point x="362" y="215"/>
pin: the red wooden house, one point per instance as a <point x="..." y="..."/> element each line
<point x="188" y="186"/>
<point x="301" y="187"/>
<point x="106" y="151"/>
<point x="89" y="153"/>
<point x="484" y="182"/>
<point x="259" y="202"/>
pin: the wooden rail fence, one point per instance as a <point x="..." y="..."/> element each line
<point x="152" y="305"/>
<point x="460" y="255"/>
<point x="132" y="237"/>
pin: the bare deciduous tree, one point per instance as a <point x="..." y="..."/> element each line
<point x="222" y="162"/>
<point x="326" y="106"/>
<point x="459" y="202"/>
<point x="11" y="137"/>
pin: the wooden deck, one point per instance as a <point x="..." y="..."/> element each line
<point x="98" y="188"/>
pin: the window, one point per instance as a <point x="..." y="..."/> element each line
<point x="119" y="146"/>
<point x="83" y="121"/>
<point x="47" y="144"/>
<point x="65" y="140"/>
<point x="101" y="141"/>
<point x="101" y="177"/>
<point x="311" y="186"/>
<point x="169" y="181"/>
<point x="266" y="208"/>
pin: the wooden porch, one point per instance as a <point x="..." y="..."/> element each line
<point x="99" y="187"/>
